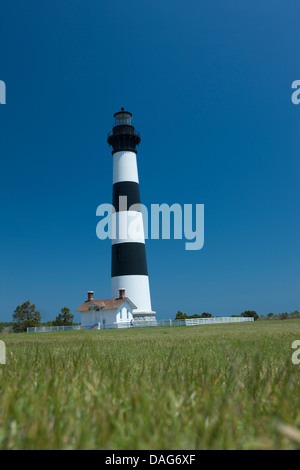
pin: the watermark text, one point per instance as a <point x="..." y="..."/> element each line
<point x="296" y="354"/>
<point x="137" y="224"/>
<point x="2" y="92"/>
<point x="2" y="353"/>
<point x="296" y="95"/>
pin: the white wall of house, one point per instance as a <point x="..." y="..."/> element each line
<point x="88" y="318"/>
<point x="119" y="316"/>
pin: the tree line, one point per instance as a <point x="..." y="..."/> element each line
<point x="281" y="316"/>
<point x="247" y="313"/>
<point x="26" y="316"/>
<point x="183" y="316"/>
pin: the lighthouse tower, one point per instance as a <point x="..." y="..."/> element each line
<point x="128" y="262"/>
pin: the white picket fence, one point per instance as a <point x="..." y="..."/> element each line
<point x="143" y="324"/>
<point x="47" y="329"/>
<point x="206" y="321"/>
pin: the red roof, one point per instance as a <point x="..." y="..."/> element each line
<point x="104" y="304"/>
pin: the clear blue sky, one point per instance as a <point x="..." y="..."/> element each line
<point x="209" y="85"/>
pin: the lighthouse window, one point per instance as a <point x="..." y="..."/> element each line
<point x="123" y="119"/>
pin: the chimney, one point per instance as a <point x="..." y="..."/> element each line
<point x="90" y="295"/>
<point x="121" y="293"/>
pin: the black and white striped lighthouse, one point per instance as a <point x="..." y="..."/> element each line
<point x="128" y="263"/>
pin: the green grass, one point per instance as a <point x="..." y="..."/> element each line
<point x="204" y="387"/>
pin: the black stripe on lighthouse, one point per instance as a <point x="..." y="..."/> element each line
<point x="131" y="190"/>
<point x="128" y="259"/>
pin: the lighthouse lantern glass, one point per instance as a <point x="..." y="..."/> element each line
<point x="123" y="119"/>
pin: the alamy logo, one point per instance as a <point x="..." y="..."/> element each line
<point x="2" y="353"/>
<point x="296" y="95"/>
<point x="2" y="92"/>
<point x="132" y="225"/>
<point x="296" y="354"/>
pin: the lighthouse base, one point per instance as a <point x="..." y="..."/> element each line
<point x="143" y="317"/>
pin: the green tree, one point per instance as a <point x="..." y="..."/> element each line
<point x="205" y="315"/>
<point x="64" y="318"/>
<point x="283" y="316"/>
<point x="25" y="316"/>
<point x="250" y="313"/>
<point x="180" y="315"/>
<point x="270" y="315"/>
<point x="295" y="314"/>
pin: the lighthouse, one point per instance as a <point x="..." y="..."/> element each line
<point x="128" y="259"/>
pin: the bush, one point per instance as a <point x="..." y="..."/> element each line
<point x="250" y="313"/>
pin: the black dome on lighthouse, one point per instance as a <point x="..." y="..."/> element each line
<point x="123" y="115"/>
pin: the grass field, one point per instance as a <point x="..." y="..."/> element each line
<point x="205" y="387"/>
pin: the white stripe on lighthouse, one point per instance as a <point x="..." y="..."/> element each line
<point x="127" y="226"/>
<point x="136" y="289"/>
<point x="125" y="167"/>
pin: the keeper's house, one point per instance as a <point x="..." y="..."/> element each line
<point x="107" y="313"/>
